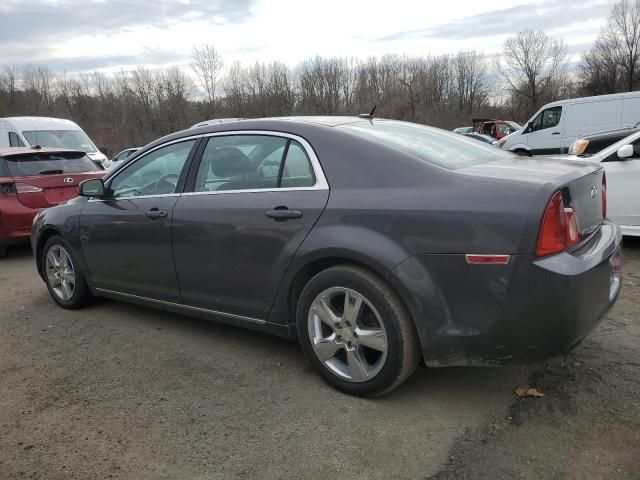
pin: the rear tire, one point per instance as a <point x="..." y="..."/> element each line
<point x="367" y="352"/>
<point x="3" y="251"/>
<point x="522" y="153"/>
<point x="65" y="282"/>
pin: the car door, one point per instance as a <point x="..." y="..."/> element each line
<point x="255" y="198"/>
<point x="623" y="187"/>
<point x="126" y="236"/>
<point x="544" y="135"/>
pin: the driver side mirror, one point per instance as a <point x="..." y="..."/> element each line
<point x="104" y="151"/>
<point x="529" y="127"/>
<point x="625" y="152"/>
<point x="93" y="187"/>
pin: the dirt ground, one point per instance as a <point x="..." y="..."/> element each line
<point x="119" y="391"/>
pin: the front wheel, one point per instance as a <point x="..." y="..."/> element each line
<point x="356" y="331"/>
<point x="65" y="281"/>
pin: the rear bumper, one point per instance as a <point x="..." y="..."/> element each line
<point x="529" y="309"/>
<point x="15" y="221"/>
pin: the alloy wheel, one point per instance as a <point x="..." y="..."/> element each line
<point x="347" y="334"/>
<point x="60" y="273"/>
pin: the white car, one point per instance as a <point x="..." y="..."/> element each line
<point x="49" y="132"/>
<point x="621" y="162"/>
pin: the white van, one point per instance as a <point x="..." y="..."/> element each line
<point x="48" y="132"/>
<point x="555" y="126"/>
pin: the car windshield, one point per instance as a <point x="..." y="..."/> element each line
<point x="72" y="139"/>
<point x="514" y="125"/>
<point x="34" y="164"/>
<point x="445" y="149"/>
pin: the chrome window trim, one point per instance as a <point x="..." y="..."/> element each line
<point x="321" y="179"/>
<point x="320" y="184"/>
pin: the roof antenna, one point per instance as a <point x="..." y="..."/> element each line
<point x="368" y="115"/>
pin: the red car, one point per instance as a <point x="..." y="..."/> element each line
<point x="497" y="129"/>
<point x="32" y="179"/>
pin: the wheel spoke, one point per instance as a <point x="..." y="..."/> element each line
<point x="326" y="348"/>
<point x="373" y="338"/>
<point x="358" y="370"/>
<point x="66" y="289"/>
<point x="352" y="306"/>
<point x="322" y="309"/>
<point x="53" y="261"/>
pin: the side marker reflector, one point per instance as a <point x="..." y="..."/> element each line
<point x="487" y="259"/>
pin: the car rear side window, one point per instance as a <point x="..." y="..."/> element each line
<point x="435" y="146"/>
<point x="34" y="164"/>
<point x="253" y="162"/>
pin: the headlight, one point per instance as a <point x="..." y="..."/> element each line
<point x="578" y="147"/>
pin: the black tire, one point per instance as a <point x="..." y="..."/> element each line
<point x="3" y="251"/>
<point x="522" y="153"/>
<point x="403" y="351"/>
<point x="81" y="294"/>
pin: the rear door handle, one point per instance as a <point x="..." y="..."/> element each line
<point x="155" y="213"/>
<point x="283" y="213"/>
<point x="555" y="133"/>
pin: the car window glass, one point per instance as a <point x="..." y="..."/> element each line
<point x="547" y="119"/>
<point x="156" y="173"/>
<point x="14" y="140"/>
<point x="72" y="139"/>
<point x="37" y="163"/>
<point x="240" y="162"/>
<point x="297" y="171"/>
<point x="429" y="144"/>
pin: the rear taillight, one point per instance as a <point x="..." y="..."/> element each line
<point x="604" y="195"/>
<point x="559" y="228"/>
<point x="26" y="188"/>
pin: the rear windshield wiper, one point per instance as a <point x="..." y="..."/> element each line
<point x="51" y="172"/>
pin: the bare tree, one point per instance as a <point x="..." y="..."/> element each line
<point x="530" y="63"/>
<point x="623" y="31"/>
<point x="207" y="64"/>
<point x="471" y="77"/>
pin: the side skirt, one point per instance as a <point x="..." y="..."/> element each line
<point x="206" y="314"/>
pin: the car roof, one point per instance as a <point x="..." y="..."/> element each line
<point x="40" y="123"/>
<point x="13" y="151"/>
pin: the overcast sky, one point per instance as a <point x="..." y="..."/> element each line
<point x="80" y="35"/>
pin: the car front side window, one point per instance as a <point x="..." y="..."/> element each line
<point x="547" y="119"/>
<point x="156" y="173"/>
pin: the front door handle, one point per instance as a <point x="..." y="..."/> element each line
<point x="555" y="133"/>
<point x="155" y="213"/>
<point x="283" y="213"/>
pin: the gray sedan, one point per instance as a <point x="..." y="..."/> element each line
<point x="377" y="244"/>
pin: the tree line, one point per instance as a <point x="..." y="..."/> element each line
<point x="133" y="107"/>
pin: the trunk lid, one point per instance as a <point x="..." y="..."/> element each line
<point x="580" y="182"/>
<point x="46" y="178"/>
<point x="50" y="190"/>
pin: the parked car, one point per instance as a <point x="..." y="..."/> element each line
<point x="429" y="246"/>
<point x="124" y="154"/>
<point x="481" y="138"/>
<point x="49" y="132"/>
<point x="555" y="126"/>
<point x="497" y="129"/>
<point x="621" y="162"/>
<point x="591" y="144"/>
<point x="464" y="130"/>
<point x="31" y="180"/>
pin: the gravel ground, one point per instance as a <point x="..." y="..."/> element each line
<point x="119" y="391"/>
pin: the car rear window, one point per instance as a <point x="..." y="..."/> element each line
<point x="439" y="147"/>
<point x="34" y="164"/>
